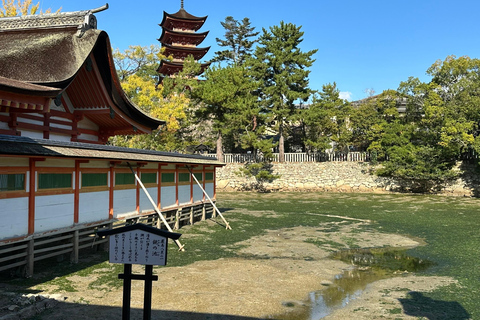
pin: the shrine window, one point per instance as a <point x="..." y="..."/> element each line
<point x="54" y="180"/>
<point x="149" y="177"/>
<point x="12" y="182"/>
<point x="208" y="176"/>
<point x="124" y="178"/>
<point x="94" y="179"/>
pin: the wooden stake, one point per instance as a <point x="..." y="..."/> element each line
<point x="177" y="242"/>
<point x="208" y="197"/>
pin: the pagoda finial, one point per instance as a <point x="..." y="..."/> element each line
<point x="181" y="4"/>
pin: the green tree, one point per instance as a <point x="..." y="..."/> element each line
<point x="423" y="150"/>
<point x="281" y="67"/>
<point x="371" y="118"/>
<point x="237" y="40"/>
<point x="138" y="60"/>
<point x="326" y="120"/>
<point x="228" y="104"/>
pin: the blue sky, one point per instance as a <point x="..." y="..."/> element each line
<point x="361" y="45"/>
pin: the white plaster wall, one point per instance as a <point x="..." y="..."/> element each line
<point x="209" y="188"/>
<point x="56" y="163"/>
<point x="14" y="217"/>
<point x="93" y="206"/>
<point x="197" y="193"/>
<point x="60" y="137"/>
<point x="13" y="162"/>
<point x="53" y="211"/>
<point x="89" y="137"/>
<point x="32" y="134"/>
<point x="38" y="121"/>
<point x="4" y="125"/>
<point x="124" y="202"/>
<point x="183" y="194"/>
<point x="145" y="204"/>
<point x="86" y="123"/>
<point x="167" y="197"/>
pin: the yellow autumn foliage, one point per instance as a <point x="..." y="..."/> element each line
<point x="13" y="8"/>
<point x="144" y="93"/>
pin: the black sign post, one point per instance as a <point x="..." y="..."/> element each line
<point x="138" y="244"/>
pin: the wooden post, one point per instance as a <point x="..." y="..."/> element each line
<point x="203" y="212"/>
<point x="75" y="253"/>
<point x="191" y="214"/>
<point x="30" y="257"/>
<point x="177" y="219"/>
<point x="147" y="297"/>
<point x="127" y="290"/>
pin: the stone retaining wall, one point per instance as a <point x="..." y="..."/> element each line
<point x="335" y="177"/>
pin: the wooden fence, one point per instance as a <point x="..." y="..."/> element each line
<point x="23" y="253"/>
<point x="298" y="157"/>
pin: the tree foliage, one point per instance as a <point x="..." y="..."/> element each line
<point x="238" y="41"/>
<point x="137" y="67"/>
<point x="422" y="147"/>
<point x="326" y="121"/>
<point x="281" y="67"/>
<point x="12" y="8"/>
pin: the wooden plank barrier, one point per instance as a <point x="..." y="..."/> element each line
<point x="22" y="254"/>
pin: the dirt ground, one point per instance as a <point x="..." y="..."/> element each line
<point x="274" y="274"/>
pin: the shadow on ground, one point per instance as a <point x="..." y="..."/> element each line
<point x="418" y="305"/>
<point x="73" y="311"/>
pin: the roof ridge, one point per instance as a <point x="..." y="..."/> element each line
<point x="83" y="20"/>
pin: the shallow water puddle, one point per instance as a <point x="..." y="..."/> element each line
<point x="370" y="265"/>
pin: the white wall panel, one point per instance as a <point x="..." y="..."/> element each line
<point x="53" y="212"/>
<point x="124" y="202"/>
<point x="183" y="194"/>
<point x="14" y="217"/>
<point x="93" y="206"/>
<point x="145" y="204"/>
<point x="209" y="188"/>
<point x="197" y="193"/>
<point x="167" y="197"/>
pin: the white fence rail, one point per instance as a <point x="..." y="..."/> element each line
<point x="299" y="157"/>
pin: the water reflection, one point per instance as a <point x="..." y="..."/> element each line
<point x="371" y="265"/>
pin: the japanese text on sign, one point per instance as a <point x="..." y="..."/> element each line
<point x="138" y="247"/>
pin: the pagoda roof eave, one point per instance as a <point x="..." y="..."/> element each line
<point x="178" y="48"/>
<point x="182" y="14"/>
<point x="196" y="38"/>
<point x="178" y="66"/>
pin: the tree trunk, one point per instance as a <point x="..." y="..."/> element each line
<point x="220" y="148"/>
<point x="281" y="145"/>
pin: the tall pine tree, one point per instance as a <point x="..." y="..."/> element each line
<point x="281" y="66"/>
<point x="237" y="40"/>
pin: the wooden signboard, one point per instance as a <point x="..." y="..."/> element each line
<point x="138" y="244"/>
<point x="138" y="247"/>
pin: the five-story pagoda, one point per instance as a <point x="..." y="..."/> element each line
<point x="180" y="40"/>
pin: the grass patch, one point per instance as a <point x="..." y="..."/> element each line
<point x="449" y="226"/>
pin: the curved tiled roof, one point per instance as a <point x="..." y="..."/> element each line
<point x="50" y="51"/>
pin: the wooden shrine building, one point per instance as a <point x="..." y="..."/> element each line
<point x="60" y="100"/>
<point x="180" y="40"/>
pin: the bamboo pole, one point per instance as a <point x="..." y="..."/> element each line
<point x="208" y="197"/>
<point x="180" y="246"/>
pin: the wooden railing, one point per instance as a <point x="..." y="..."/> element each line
<point x="298" y="157"/>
